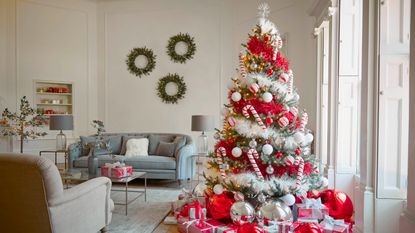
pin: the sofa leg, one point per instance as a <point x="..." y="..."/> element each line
<point x="104" y="229"/>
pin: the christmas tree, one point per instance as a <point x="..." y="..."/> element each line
<point x="263" y="150"/>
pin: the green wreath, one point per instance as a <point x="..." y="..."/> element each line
<point x="181" y="88"/>
<point x="132" y="56"/>
<point x="171" y="47"/>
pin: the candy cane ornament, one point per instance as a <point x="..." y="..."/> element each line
<point x="221" y="151"/>
<point x="255" y="114"/>
<point x="300" y="163"/>
<point x="252" y="154"/>
<point x="303" y="121"/>
<point x="242" y="65"/>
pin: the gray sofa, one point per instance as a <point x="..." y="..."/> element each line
<point x="178" y="166"/>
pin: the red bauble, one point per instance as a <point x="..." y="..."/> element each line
<point x="270" y="71"/>
<point x="298" y="151"/>
<point x="219" y="206"/>
<point x="340" y="205"/>
<point x="269" y="121"/>
<point x="279" y="155"/>
<point x="267" y="38"/>
<point x="250" y="228"/>
<point x="308" y="227"/>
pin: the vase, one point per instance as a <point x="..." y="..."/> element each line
<point x="92" y="163"/>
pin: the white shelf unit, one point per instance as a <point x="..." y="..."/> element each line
<point x="54" y="97"/>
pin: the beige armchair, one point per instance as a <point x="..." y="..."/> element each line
<point x="32" y="199"/>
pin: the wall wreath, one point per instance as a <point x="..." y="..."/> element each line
<point x="181" y="88"/>
<point x="149" y="66"/>
<point x="190" y="50"/>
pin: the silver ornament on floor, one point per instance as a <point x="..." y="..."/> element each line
<point x="242" y="212"/>
<point x="199" y="190"/>
<point x="274" y="210"/>
<point x="253" y="143"/>
<point x="270" y="170"/>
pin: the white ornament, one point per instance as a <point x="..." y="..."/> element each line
<point x="324" y="181"/>
<point x="269" y="170"/>
<point x="284" y="77"/>
<point x="267" y="149"/>
<point x="253" y="143"/>
<point x="288" y="199"/>
<point x="289" y="160"/>
<point x="236" y="96"/>
<point x="236" y="152"/>
<point x="299" y="138"/>
<point x="308" y="138"/>
<point x="254" y="66"/>
<point x="267" y="97"/>
<point x="218" y="189"/>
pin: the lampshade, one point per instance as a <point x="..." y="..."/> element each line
<point x="202" y="123"/>
<point x="61" y="122"/>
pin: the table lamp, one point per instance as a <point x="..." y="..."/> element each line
<point x="202" y="123"/>
<point x="61" y="122"/>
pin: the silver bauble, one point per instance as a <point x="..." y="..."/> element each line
<point x="218" y="189"/>
<point x="254" y="66"/>
<point x="242" y="212"/>
<point x="253" y="143"/>
<point x="274" y="210"/>
<point x="199" y="190"/>
<point x="269" y="170"/>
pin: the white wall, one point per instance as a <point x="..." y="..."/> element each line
<point x="129" y="103"/>
<point x="49" y="40"/>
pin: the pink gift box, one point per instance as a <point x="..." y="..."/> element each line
<point x="277" y="226"/>
<point x="117" y="172"/>
<point x="311" y="209"/>
<point x="331" y="225"/>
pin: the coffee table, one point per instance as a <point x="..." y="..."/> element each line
<point x="79" y="175"/>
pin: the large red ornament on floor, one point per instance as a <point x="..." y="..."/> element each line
<point x="340" y="205"/>
<point x="307" y="227"/>
<point x="250" y="228"/>
<point x="219" y="206"/>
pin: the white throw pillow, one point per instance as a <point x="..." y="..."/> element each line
<point x="137" y="147"/>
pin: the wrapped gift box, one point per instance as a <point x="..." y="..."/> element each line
<point x="187" y="225"/>
<point x="116" y="170"/>
<point x="310" y="209"/>
<point x="227" y="229"/>
<point x="331" y="225"/>
<point x="277" y="226"/>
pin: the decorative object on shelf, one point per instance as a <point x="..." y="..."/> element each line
<point x="24" y="124"/>
<point x="53" y="97"/>
<point x="202" y="123"/>
<point x="61" y="122"/>
<point x="134" y="54"/>
<point x="190" y="50"/>
<point x="181" y="88"/>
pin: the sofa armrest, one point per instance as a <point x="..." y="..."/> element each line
<point x="79" y="203"/>
<point x="74" y="152"/>
<point x="184" y="162"/>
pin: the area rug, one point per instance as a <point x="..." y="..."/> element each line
<point x="142" y="216"/>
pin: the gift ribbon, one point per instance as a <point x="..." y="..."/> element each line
<point x="275" y="226"/>
<point x="313" y="203"/>
<point x="329" y="223"/>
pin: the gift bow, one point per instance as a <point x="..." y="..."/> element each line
<point x="329" y="222"/>
<point x="313" y="203"/>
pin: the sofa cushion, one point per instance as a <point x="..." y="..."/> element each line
<point x="125" y="139"/>
<point x="137" y="147"/>
<point x="166" y="148"/>
<point x="114" y="143"/>
<point x="154" y="142"/>
<point x="82" y="162"/>
<point x="151" y="162"/>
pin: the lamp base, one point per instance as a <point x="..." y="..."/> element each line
<point x="202" y="144"/>
<point x="60" y="141"/>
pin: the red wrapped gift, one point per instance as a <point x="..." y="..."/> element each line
<point x="186" y="225"/>
<point x="331" y="225"/>
<point x="116" y="170"/>
<point x="277" y="226"/>
<point x="310" y="209"/>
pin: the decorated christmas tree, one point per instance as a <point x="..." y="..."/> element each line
<point x="263" y="151"/>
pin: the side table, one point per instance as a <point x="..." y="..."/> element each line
<point x="56" y="152"/>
